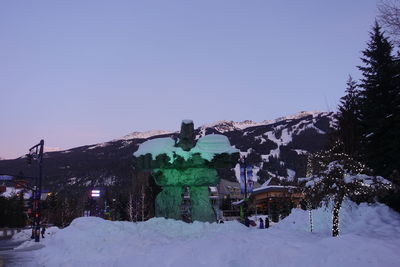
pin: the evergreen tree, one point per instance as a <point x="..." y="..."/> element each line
<point x="378" y="109"/>
<point x="348" y="123"/>
<point x="394" y="164"/>
<point x="20" y="216"/>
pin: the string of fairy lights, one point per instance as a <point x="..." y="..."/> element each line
<point x="309" y="205"/>
<point x="335" y="175"/>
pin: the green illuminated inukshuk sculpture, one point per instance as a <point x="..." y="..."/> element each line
<point x="175" y="165"/>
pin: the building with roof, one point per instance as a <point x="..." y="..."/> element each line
<point x="275" y="200"/>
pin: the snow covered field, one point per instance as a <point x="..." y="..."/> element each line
<point x="370" y="236"/>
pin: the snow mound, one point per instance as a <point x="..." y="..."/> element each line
<point x="91" y="241"/>
<point x="365" y="219"/>
<point x="25" y="234"/>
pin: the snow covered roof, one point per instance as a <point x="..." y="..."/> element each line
<point x="271" y="188"/>
<point x="235" y="203"/>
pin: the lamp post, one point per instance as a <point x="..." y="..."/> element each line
<point x="246" y="172"/>
<point x="243" y="176"/>
<point x="36" y="153"/>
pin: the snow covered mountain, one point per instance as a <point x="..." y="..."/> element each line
<point x="147" y="134"/>
<point x="277" y="149"/>
<point x="52" y="149"/>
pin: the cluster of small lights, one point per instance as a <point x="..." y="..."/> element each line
<point x="327" y="171"/>
<point x="309" y="174"/>
<point x="309" y="207"/>
<point x="335" y="220"/>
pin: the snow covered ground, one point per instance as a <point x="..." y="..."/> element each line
<point x="370" y="236"/>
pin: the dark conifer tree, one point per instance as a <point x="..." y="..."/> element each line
<point x="395" y="132"/>
<point x="378" y="105"/>
<point x="348" y="119"/>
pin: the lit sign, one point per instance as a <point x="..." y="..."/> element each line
<point x="95" y="193"/>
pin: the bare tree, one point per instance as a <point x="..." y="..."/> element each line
<point x="389" y="16"/>
<point x="130" y="208"/>
<point x="137" y="207"/>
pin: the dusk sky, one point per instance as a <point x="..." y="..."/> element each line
<point x="82" y="72"/>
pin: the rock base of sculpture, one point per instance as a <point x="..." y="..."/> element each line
<point x="168" y="203"/>
<point x="201" y="206"/>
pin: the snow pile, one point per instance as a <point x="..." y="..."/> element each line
<point x="376" y="220"/>
<point x="207" y="146"/>
<point x="370" y="237"/>
<point x="25" y="234"/>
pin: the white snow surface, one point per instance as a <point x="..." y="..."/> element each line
<point x="226" y="125"/>
<point x="156" y="147"/>
<point x="25" y="234"/>
<point x="207" y="146"/>
<point x="12" y="191"/>
<point x="144" y="135"/>
<point x="370" y="236"/>
<point x="99" y="145"/>
<point x="52" y="149"/>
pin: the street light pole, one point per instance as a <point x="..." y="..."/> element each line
<point x="244" y="166"/>
<point x="243" y="175"/>
<point x="36" y="152"/>
<point x="246" y="172"/>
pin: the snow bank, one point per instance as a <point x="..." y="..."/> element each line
<point x="372" y="239"/>
<point x="376" y="220"/>
<point x="25" y="234"/>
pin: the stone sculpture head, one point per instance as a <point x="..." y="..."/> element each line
<point x="186" y="138"/>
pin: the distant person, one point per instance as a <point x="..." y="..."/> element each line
<point x="43" y="231"/>
<point x="261" y="224"/>
<point x="247" y="222"/>
<point x="266" y="222"/>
